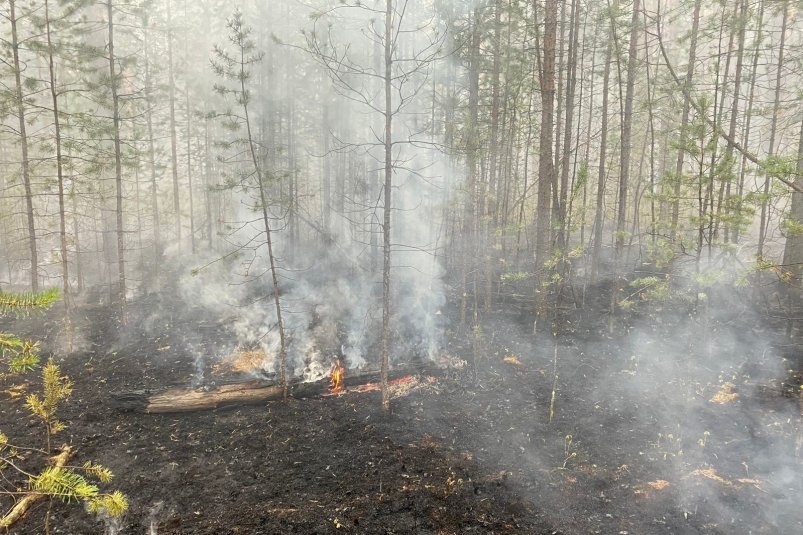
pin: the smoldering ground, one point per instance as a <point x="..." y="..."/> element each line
<point x="686" y="413"/>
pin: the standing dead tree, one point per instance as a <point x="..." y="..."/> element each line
<point x="387" y="88"/>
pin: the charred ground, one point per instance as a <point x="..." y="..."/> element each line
<point x="635" y="444"/>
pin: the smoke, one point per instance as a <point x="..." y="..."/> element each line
<point x="153" y="517"/>
<point x="329" y="249"/>
<point x="111" y="525"/>
<point x="330" y="289"/>
<point x="687" y="390"/>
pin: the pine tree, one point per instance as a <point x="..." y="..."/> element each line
<point x="235" y="70"/>
<point x="57" y="479"/>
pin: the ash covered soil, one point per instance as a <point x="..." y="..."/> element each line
<point x="635" y="443"/>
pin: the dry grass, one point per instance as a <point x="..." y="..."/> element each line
<point x="710" y="473"/>
<point x="513" y="360"/>
<point x="242" y="361"/>
<point x="725" y="394"/>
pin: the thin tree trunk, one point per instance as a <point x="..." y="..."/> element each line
<point x="149" y="101"/>
<point x="776" y="106"/>
<point x="737" y="83"/>
<point x="23" y="133"/>
<point x="627" y="125"/>
<point x="263" y="198"/>
<point x="210" y="227"/>
<point x="603" y="154"/>
<point x="624" y="165"/>
<point x="587" y="157"/>
<point x="492" y="205"/>
<point x="171" y="87"/>
<point x="748" y="118"/>
<point x="719" y="110"/>
<point x="571" y="83"/>
<point x="684" y="120"/>
<point x="388" y="45"/>
<point x="118" y="165"/>
<point x="327" y="169"/>
<point x="65" y="271"/>
<point x="189" y="171"/>
<point x="546" y="167"/>
<point x="79" y="265"/>
<point x="557" y="194"/>
<point x="793" y="249"/>
<point x="651" y="126"/>
<point x="470" y="240"/>
<point x="493" y="149"/>
<point x="526" y="171"/>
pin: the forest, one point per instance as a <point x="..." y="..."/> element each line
<point x="401" y="267"/>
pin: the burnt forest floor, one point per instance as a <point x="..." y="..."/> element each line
<point x="636" y="444"/>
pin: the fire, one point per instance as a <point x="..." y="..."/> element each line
<point x="337" y="375"/>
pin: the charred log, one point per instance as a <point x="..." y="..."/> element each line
<point x="184" y="399"/>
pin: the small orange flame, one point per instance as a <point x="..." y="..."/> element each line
<point x="337" y="375"/>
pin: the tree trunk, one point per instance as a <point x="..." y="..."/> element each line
<point x="189" y="170"/>
<point x="470" y="238"/>
<point x="263" y="198"/>
<point x="793" y="249"/>
<point x="387" y="207"/>
<point x="149" y="102"/>
<point x="118" y="165"/>
<point x="23" y="134"/>
<point x="603" y="154"/>
<point x="568" y="149"/>
<point x="651" y="126"/>
<point x="741" y="23"/>
<point x="587" y="156"/>
<point x="326" y="176"/>
<point x="65" y="271"/>
<point x="558" y="122"/>
<point x="494" y="154"/>
<point x="627" y="124"/>
<point x="776" y="106"/>
<point x="748" y="117"/>
<point x="684" y="120"/>
<point x="171" y="86"/>
<point x="79" y="267"/>
<point x="719" y="111"/>
<point x="546" y="167"/>
<point x="624" y="165"/>
<point x="210" y="226"/>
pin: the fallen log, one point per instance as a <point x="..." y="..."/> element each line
<point x="209" y="397"/>
<point x="22" y="506"/>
